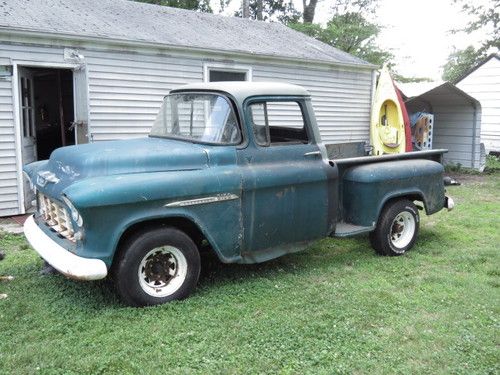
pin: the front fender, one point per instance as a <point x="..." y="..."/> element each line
<point x="112" y="204"/>
<point x="219" y="222"/>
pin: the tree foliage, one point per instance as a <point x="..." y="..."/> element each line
<point x="272" y="10"/>
<point x="485" y="19"/>
<point x="459" y="62"/>
<point x="354" y="6"/>
<point x="199" y="5"/>
<point x="350" y="32"/>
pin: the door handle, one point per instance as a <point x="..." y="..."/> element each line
<point x="313" y="153"/>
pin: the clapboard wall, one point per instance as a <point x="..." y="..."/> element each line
<point x="126" y="87"/>
<point x="8" y="174"/>
<point x="484" y="85"/>
<point x="125" y="92"/>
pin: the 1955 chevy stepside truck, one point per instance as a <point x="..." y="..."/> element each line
<point x="237" y="168"/>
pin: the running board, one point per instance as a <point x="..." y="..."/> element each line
<point x="345" y="229"/>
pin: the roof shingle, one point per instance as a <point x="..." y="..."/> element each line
<point x="138" y="22"/>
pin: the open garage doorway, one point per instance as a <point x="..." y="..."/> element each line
<point x="46" y="106"/>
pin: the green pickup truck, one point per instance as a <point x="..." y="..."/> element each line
<point x="235" y="168"/>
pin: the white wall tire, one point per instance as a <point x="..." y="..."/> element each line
<point x="156" y="267"/>
<point x="397" y="228"/>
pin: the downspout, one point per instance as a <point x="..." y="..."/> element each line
<point x="474" y="127"/>
<point x="368" y="145"/>
<point x="374" y="86"/>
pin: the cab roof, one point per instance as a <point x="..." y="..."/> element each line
<point x="242" y="90"/>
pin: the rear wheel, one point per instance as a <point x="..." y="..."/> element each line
<point x="397" y="228"/>
<point x="156" y="267"/>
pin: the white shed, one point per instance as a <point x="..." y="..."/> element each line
<point x="483" y="83"/>
<point x="93" y="70"/>
<point x="457" y="123"/>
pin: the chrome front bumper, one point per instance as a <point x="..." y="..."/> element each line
<point x="67" y="263"/>
<point x="449" y="203"/>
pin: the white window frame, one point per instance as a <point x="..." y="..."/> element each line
<point x="221" y="67"/>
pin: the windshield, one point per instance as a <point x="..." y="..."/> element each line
<point x="199" y="117"/>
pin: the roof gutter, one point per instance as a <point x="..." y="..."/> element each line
<point x="6" y="31"/>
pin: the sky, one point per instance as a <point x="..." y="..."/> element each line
<point x="417" y="32"/>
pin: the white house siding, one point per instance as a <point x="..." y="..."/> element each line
<point x="125" y="93"/>
<point x="341" y="98"/>
<point x="125" y="90"/>
<point x="8" y="174"/>
<point x="484" y="85"/>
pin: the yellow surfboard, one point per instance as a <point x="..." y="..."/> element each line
<point x="387" y="128"/>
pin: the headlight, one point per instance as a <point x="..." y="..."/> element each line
<point x="75" y="215"/>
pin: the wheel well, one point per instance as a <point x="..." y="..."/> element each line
<point x="181" y="223"/>
<point x="412" y="197"/>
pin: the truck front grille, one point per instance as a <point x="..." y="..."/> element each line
<point x="56" y="217"/>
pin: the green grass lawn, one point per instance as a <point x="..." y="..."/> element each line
<point x="335" y="308"/>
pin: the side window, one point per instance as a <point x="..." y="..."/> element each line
<point x="278" y="122"/>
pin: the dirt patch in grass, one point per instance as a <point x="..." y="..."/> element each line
<point x="468" y="178"/>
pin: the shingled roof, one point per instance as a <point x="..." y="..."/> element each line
<point x="129" y="21"/>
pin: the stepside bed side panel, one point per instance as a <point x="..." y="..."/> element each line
<point x="366" y="188"/>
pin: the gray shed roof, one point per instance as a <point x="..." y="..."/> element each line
<point x="446" y="94"/>
<point x="123" y="20"/>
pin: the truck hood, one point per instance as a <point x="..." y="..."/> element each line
<point x="140" y="155"/>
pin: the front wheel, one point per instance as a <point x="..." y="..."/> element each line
<point x="156" y="267"/>
<point x="397" y="228"/>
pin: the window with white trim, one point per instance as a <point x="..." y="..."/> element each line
<point x="221" y="76"/>
<point x="221" y="73"/>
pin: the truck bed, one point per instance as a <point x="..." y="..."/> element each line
<point x="436" y="155"/>
<point x="352" y="194"/>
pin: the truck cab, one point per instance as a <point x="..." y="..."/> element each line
<point x="236" y="168"/>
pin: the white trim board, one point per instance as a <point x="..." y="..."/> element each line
<point x="17" y="119"/>
<point x="226" y="67"/>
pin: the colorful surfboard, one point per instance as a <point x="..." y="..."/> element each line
<point x="387" y="128"/>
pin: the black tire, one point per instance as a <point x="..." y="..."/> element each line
<point x="155" y="267"/>
<point x="395" y="238"/>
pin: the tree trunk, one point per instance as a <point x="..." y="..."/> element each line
<point x="309" y="10"/>
<point x="259" y="10"/>
<point x="245" y="11"/>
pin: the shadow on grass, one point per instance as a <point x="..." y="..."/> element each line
<point x="324" y="255"/>
<point x="95" y="296"/>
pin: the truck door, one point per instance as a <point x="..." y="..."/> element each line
<point x="284" y="178"/>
